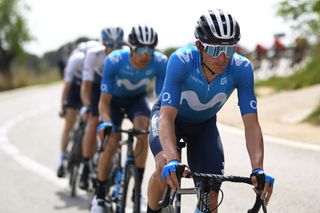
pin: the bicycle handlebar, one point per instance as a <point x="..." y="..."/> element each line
<point x="134" y="132"/>
<point x="169" y="195"/>
<point x="131" y="132"/>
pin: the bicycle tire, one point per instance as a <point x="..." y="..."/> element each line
<point x="73" y="179"/>
<point x="131" y="184"/>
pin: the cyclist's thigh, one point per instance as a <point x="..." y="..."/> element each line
<point x="154" y="142"/>
<point x="204" y="150"/>
<point x="138" y="107"/>
<point x="117" y="114"/>
<point x="74" y="100"/>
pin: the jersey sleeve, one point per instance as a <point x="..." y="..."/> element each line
<point x="88" y="67"/>
<point x="245" y="87"/>
<point x="68" y="71"/>
<point x="161" y="73"/>
<point x="176" y="73"/>
<point x="109" y="71"/>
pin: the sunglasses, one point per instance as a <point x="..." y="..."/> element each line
<point x="215" y="50"/>
<point x="143" y="50"/>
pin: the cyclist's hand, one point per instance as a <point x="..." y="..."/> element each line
<point x="105" y="128"/>
<point x="263" y="184"/>
<point x="62" y="112"/>
<point x="84" y="112"/>
<point x="169" y="174"/>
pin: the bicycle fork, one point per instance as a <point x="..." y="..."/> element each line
<point x="120" y="207"/>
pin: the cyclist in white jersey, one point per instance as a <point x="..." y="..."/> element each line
<point x="112" y="39"/>
<point x="71" y="101"/>
<point x="199" y="80"/>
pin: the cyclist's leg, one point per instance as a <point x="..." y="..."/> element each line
<point x="205" y="153"/>
<point x="141" y="149"/>
<point x="88" y="149"/>
<point x="156" y="185"/>
<point x="105" y="159"/>
<point x="105" y="163"/>
<point x="73" y="104"/>
<point x="138" y="112"/>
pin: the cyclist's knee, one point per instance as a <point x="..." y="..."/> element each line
<point x="112" y="145"/>
<point x="141" y="122"/>
<point x="160" y="163"/>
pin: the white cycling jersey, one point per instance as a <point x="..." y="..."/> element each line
<point x="74" y="66"/>
<point x="93" y="63"/>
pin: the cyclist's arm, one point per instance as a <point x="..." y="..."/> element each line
<point x="65" y="93"/>
<point x="167" y="132"/>
<point x="254" y="140"/>
<point x="161" y="74"/>
<point x="86" y="88"/>
<point x="107" y="85"/>
<point x="104" y="106"/>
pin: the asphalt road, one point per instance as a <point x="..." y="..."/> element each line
<point x="30" y="132"/>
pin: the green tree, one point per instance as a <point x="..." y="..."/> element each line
<point x="304" y="16"/>
<point x="13" y="33"/>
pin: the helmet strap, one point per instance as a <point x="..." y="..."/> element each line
<point x="212" y="72"/>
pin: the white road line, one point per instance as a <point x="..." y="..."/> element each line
<point x="19" y="157"/>
<point x="272" y="139"/>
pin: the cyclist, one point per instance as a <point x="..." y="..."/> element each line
<point x="123" y="90"/>
<point x="112" y="39"/>
<point x="199" y="80"/>
<point x="278" y="50"/>
<point x="299" y="50"/>
<point x="71" y="101"/>
<point x="260" y="53"/>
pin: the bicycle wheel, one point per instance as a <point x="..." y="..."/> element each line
<point x="131" y="191"/>
<point x="73" y="179"/>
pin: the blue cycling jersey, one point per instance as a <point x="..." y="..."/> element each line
<point x="121" y="79"/>
<point x="187" y="89"/>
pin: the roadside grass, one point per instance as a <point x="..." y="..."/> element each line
<point x="307" y="76"/>
<point x="22" y="77"/>
<point x="314" y="117"/>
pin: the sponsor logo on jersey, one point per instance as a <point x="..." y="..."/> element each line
<point x="154" y="125"/>
<point x="194" y="78"/>
<point x="223" y="81"/>
<point x="194" y="103"/>
<point x="130" y="86"/>
<point x="166" y="96"/>
<point x="185" y="56"/>
<point x="239" y="61"/>
<point x="104" y="88"/>
<point x="115" y="58"/>
<point x="253" y="104"/>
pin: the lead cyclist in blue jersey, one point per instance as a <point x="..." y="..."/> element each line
<point x="199" y="80"/>
<point x="123" y="91"/>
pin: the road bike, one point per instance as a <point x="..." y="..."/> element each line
<point x="124" y="187"/>
<point x="75" y="155"/>
<point x="202" y="191"/>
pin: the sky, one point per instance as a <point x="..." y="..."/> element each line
<point x="54" y="23"/>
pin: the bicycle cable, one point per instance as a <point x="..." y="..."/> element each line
<point x="222" y="196"/>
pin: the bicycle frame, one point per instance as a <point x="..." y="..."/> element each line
<point x="118" y="195"/>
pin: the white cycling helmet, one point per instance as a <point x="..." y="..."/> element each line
<point x="84" y="46"/>
<point x="143" y="36"/>
<point x="218" y="28"/>
<point x="112" y="35"/>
